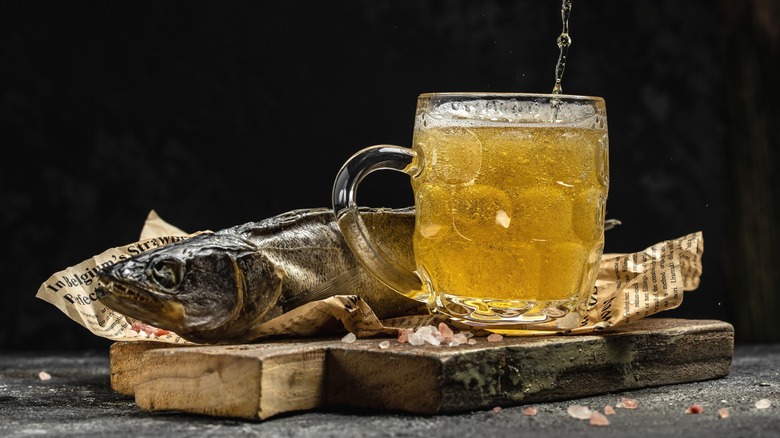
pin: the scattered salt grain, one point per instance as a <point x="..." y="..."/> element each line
<point x="694" y="409"/>
<point x="497" y="409"/>
<point x="627" y="403"/>
<point x="431" y="338"/>
<point x="460" y="338"/>
<point x="530" y="411"/>
<point x="426" y="333"/>
<point x="439" y="335"/>
<point x="43" y="375"/>
<point x="384" y="344"/>
<point x="140" y="327"/>
<point x="764" y="403"/>
<point x="445" y="330"/>
<point x="598" y="419"/>
<point x="579" y="412"/>
<point x="723" y="413"/>
<point x="349" y="338"/>
<point x="416" y="339"/>
<point x="495" y="337"/>
<point x="425" y="330"/>
<point x="403" y="335"/>
<point x="609" y="410"/>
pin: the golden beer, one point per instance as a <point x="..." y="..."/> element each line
<point x="509" y="216"/>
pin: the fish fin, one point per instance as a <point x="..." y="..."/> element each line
<point x="344" y="284"/>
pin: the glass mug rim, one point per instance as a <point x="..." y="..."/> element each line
<point x="510" y="109"/>
<point x="508" y="95"/>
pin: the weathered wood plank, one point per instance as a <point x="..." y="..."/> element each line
<point x="246" y="381"/>
<point x="262" y="380"/>
<point x="127" y="361"/>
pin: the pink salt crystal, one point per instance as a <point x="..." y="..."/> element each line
<point x="384" y="344"/>
<point x="723" y="413"/>
<point x="460" y="338"/>
<point x="579" y="412"/>
<point x="43" y="375"/>
<point x="598" y="419"/>
<point x="530" y="411"/>
<point x="694" y="409"/>
<point x="445" y="330"/>
<point x="160" y="332"/>
<point x="403" y="335"/>
<point x="497" y="409"/>
<point x="609" y="410"/>
<point x="349" y="338"/>
<point x="472" y="341"/>
<point x="628" y="403"/>
<point x="764" y="403"/>
<point x="141" y="327"/>
<point x="495" y="337"/>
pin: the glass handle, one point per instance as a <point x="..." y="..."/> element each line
<point x="384" y="267"/>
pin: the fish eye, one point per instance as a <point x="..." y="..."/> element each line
<point x="165" y="272"/>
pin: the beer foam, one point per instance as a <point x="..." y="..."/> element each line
<point x="495" y="112"/>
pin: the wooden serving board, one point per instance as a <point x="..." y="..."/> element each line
<point x="258" y="381"/>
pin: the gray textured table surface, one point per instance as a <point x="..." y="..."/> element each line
<point x="78" y="401"/>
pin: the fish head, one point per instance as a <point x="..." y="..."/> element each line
<point x="207" y="289"/>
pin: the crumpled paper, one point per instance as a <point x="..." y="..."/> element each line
<point x="628" y="287"/>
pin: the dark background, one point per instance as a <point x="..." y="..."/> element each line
<point x="219" y="113"/>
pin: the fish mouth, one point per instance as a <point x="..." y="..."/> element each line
<point x="114" y="290"/>
<point x="130" y="301"/>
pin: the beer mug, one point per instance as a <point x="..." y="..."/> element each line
<point x="510" y="194"/>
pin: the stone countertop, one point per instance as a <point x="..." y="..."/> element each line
<point x="78" y="401"/>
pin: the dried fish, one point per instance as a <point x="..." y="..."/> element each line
<point x="216" y="287"/>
